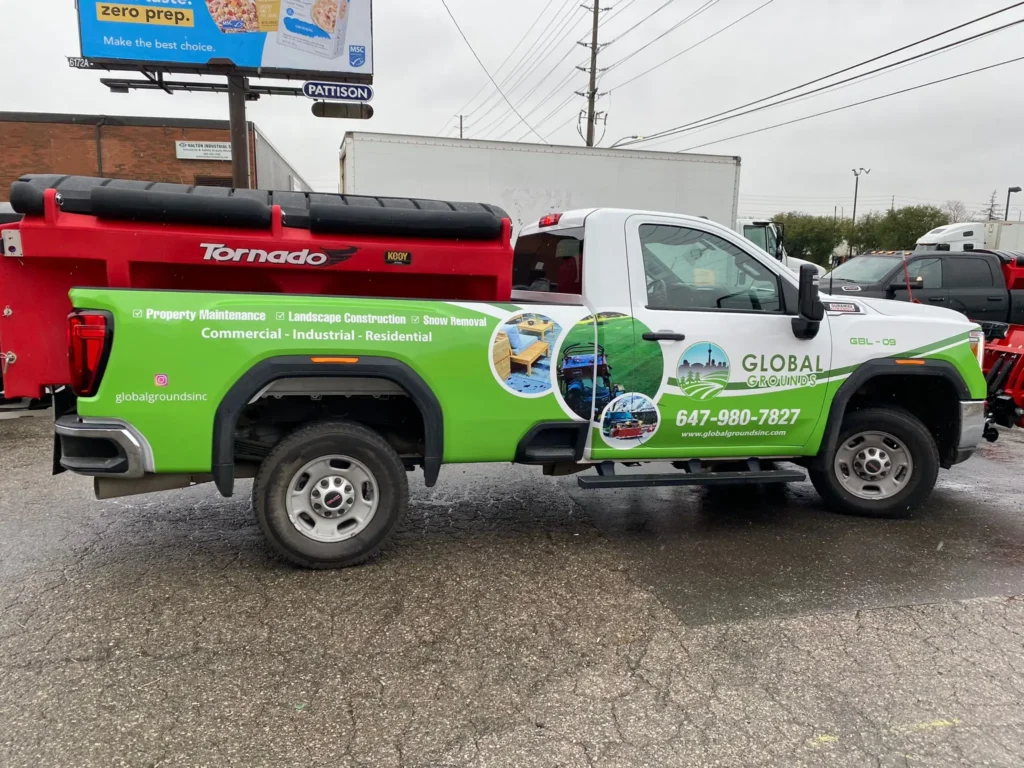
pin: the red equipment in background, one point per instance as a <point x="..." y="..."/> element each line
<point x="1003" y="362"/>
<point x="85" y="232"/>
<point x="1004" y="371"/>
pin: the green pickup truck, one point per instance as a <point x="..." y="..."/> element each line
<point x="637" y="349"/>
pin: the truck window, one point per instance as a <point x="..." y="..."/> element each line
<point x="930" y="270"/>
<point x="757" y="235"/>
<point x="969" y="273"/>
<point x="688" y="269"/>
<point x="550" y="262"/>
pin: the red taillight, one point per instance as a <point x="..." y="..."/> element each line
<point x="550" y="220"/>
<point x="88" y="344"/>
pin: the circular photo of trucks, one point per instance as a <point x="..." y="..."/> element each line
<point x="629" y="420"/>
<point x="521" y="353"/>
<point x="599" y="361"/>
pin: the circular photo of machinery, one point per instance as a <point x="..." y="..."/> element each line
<point x="599" y="361"/>
<point x="585" y="378"/>
<point x="521" y="353"/>
<point x="629" y="420"/>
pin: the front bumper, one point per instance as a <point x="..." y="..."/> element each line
<point x="972" y="428"/>
<point x="101" y="447"/>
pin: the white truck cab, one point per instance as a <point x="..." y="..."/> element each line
<point x="728" y="355"/>
<point x="769" y="237"/>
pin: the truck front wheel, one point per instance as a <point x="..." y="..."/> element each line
<point x="330" y="494"/>
<point x="884" y="465"/>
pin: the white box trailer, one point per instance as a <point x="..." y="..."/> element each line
<point x="530" y="180"/>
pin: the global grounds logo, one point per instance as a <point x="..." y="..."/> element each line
<point x="703" y="371"/>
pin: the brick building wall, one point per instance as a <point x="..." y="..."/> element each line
<point x="127" y="148"/>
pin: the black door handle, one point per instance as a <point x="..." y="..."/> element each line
<point x="936" y="299"/>
<point x="664" y="336"/>
<point x="995" y="298"/>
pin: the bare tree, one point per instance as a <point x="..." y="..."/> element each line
<point x="991" y="211"/>
<point x="957" y="211"/>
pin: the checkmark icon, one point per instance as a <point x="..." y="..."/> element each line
<point x="280" y="315"/>
<point x="138" y="313"/>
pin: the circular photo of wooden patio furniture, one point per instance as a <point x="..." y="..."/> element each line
<point x="629" y="421"/>
<point x="521" y="353"/>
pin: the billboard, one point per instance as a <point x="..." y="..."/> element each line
<point x="266" y="37"/>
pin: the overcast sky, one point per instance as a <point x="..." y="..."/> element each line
<point x="959" y="140"/>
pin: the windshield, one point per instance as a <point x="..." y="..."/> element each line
<point x="757" y="235"/>
<point x="865" y="269"/>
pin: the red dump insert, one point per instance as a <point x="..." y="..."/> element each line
<point x="82" y="232"/>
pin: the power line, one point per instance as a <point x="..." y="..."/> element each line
<point x="536" y="21"/>
<point x="645" y="18"/>
<point x="545" y="45"/>
<point x="837" y="86"/>
<point x="687" y="50"/>
<point x="561" y="126"/>
<point x="552" y="113"/>
<point x="523" y="59"/>
<point x="567" y="26"/>
<point x="856" y="103"/>
<point x="703" y="120"/>
<point x="618" y="11"/>
<point x="707" y="5"/>
<point x="544" y="101"/>
<point x="471" y="50"/>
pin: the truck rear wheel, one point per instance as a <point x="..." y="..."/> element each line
<point x="330" y="494"/>
<point x="884" y="465"/>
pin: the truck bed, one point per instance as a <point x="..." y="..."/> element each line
<point x="91" y="232"/>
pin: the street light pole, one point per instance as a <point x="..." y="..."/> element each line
<point x="1010" y="191"/>
<point x="856" y="189"/>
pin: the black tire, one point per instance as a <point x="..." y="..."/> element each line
<point x="305" y="445"/>
<point x="920" y="444"/>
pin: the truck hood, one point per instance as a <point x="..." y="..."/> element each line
<point x="894" y="308"/>
<point x="840" y="287"/>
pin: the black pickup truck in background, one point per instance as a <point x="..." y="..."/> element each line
<point x="971" y="282"/>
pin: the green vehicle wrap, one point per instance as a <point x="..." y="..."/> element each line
<point x="499" y="369"/>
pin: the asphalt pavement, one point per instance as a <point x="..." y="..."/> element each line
<point x="515" y="620"/>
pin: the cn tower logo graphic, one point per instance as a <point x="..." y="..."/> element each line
<point x="703" y="371"/>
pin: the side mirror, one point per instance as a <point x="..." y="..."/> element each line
<point x="810" y="310"/>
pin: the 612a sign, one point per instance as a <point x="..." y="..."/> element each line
<point x="337" y="92"/>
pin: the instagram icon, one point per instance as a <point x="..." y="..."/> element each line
<point x="160" y="380"/>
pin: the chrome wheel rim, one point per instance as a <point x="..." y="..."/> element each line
<point x="873" y="465"/>
<point x="332" y="499"/>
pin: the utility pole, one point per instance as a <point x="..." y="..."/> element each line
<point x="892" y="205"/>
<point x="237" y="87"/>
<point x="460" y="126"/>
<point x="592" y="91"/>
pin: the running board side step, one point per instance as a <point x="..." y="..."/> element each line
<point x="691" y="478"/>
